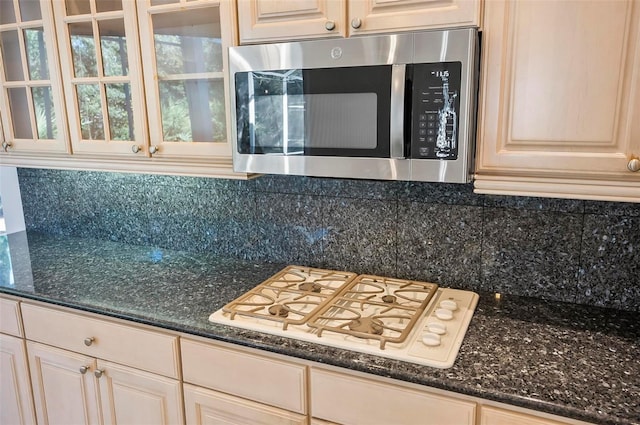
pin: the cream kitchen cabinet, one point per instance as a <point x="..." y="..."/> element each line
<point x="225" y="385"/>
<point x="32" y="113"/>
<point x="16" y="401"/>
<point x="371" y="401"/>
<point x="144" y="82"/>
<point x="269" y="20"/>
<point x="490" y="415"/>
<point x="89" y="370"/>
<point x="560" y="100"/>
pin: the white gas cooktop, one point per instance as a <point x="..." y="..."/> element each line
<point x="406" y="320"/>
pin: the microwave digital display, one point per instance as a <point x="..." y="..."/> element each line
<point x="436" y="110"/>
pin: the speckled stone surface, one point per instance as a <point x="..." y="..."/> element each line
<point x="576" y="361"/>
<point x="576" y="251"/>
<point x="440" y="243"/>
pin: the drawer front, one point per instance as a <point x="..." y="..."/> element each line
<point x="204" y="406"/>
<point x="258" y="378"/>
<point x="10" y="317"/>
<point x="373" y="402"/>
<point x="128" y="345"/>
<point x="496" y="416"/>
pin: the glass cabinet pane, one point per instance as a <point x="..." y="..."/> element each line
<point x="45" y="113"/>
<point x="90" y="108"/>
<point x="161" y="2"/>
<point x="77" y="7"/>
<point x="188" y="41"/>
<point x="108" y="5"/>
<point x="36" y="54"/>
<point x="29" y="10"/>
<point x="120" y="111"/>
<point x="113" y="45"/>
<point x="193" y="110"/>
<point x="20" y="113"/>
<point x="12" y="61"/>
<point x="83" y="49"/>
<point x="7" y="12"/>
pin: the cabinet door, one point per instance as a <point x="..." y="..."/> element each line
<point x="495" y="416"/>
<point x="130" y="396"/>
<point x="207" y="407"/>
<point x="268" y="20"/>
<point x="185" y="43"/>
<point x="33" y="118"/>
<point x="560" y="98"/>
<point x="377" y="16"/>
<point x="15" y="388"/>
<point x="100" y="61"/>
<point x="374" y="402"/>
<point x="62" y="392"/>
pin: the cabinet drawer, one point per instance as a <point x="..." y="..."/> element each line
<point x="10" y="317"/>
<point x="204" y="406"/>
<point x="496" y="416"/>
<point x="139" y="348"/>
<point x="373" y="402"/>
<point x="250" y="376"/>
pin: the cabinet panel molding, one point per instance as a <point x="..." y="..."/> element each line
<point x="154" y="351"/>
<point x="560" y="115"/>
<point x="131" y="396"/>
<point x="379" y="16"/>
<point x="207" y="407"/>
<point x="10" y="322"/>
<point x="62" y="394"/>
<point x="260" y="20"/>
<point x="370" y="401"/>
<point x="550" y="109"/>
<point x="246" y="375"/>
<point x="16" y="401"/>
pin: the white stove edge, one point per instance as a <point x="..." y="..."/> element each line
<point x="411" y="351"/>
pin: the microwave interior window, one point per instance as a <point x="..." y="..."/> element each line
<point x="313" y="112"/>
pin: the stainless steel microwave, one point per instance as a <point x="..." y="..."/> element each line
<point x="388" y="107"/>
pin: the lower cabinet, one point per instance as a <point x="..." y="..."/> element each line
<point x="88" y="370"/>
<point x="71" y="388"/>
<point x="16" y="402"/>
<point x="345" y="399"/>
<point x="497" y="416"/>
<point x="208" y="407"/>
<point x="224" y="385"/>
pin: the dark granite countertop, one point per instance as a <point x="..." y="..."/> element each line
<point x="576" y="361"/>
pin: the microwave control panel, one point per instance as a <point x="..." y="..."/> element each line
<point x="435" y="110"/>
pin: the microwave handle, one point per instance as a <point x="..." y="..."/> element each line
<point x="396" y="124"/>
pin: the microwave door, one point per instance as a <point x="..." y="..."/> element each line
<point x="333" y="112"/>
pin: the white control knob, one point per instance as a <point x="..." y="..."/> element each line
<point x="436" y="328"/>
<point x="444" y="314"/>
<point x="449" y="305"/>
<point x="431" y="339"/>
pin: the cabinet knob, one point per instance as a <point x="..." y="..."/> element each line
<point x="356" y="23"/>
<point x="330" y="25"/>
<point x="6" y="146"/>
<point x="89" y="341"/>
<point x="135" y="148"/>
<point x="153" y="149"/>
<point x="98" y="373"/>
<point x="634" y="165"/>
<point x="84" y="369"/>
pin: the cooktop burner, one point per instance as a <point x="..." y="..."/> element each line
<point x="396" y="318"/>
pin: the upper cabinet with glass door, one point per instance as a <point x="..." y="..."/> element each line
<point x="30" y="91"/>
<point x="184" y="73"/>
<point x="100" y="61"/>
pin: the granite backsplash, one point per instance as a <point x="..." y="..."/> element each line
<point x="570" y="250"/>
